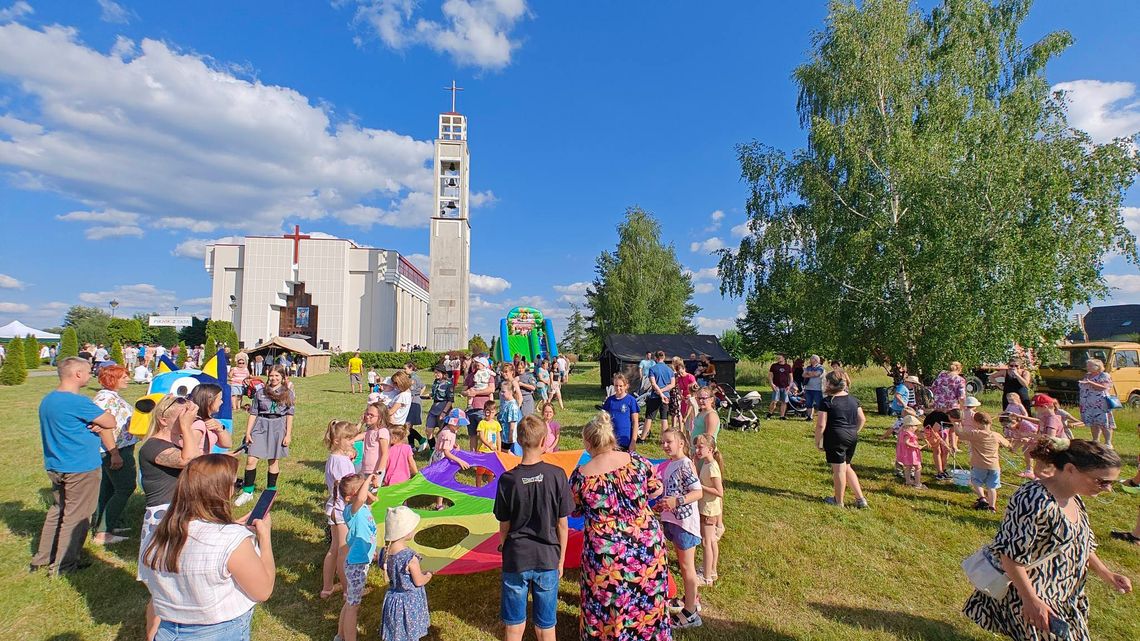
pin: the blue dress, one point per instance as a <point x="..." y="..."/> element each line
<point x="405" y="613"/>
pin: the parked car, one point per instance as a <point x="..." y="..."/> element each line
<point x="1121" y="361"/>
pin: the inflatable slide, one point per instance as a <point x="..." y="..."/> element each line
<point x="525" y="332"/>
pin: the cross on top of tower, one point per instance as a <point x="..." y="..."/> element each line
<point x="453" y="89"/>
<point x="297" y="237"/>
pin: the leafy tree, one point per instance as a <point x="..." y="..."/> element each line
<point x="14" y="371"/>
<point x="124" y="330"/>
<point x="68" y="344"/>
<point x="477" y="345"/>
<point x="195" y="333"/>
<point x="76" y="314"/>
<point x="31" y="352"/>
<point x="942" y="207"/>
<point x="640" y="287"/>
<point x="117" y="353"/>
<point x="211" y="348"/>
<point x="166" y="336"/>
<point x="577" y="337"/>
<point x="223" y="334"/>
<point x="149" y="334"/>
<point x="733" y="343"/>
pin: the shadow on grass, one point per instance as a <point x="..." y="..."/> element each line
<point x="113" y="597"/>
<point x="22" y="521"/>
<point x="900" y="624"/>
<point x="745" y="486"/>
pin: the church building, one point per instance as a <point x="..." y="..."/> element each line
<point x="328" y="290"/>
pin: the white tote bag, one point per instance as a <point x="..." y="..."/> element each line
<point x="990" y="580"/>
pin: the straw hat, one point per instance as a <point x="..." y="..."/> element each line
<point x="913" y="379"/>
<point x="972" y="402"/>
<point x="911" y="420"/>
<point x="400" y="522"/>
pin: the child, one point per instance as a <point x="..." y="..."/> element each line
<point x="489" y="432"/>
<point x="985" y="461"/>
<point x="936" y="432"/>
<point x="908" y="452"/>
<point x="1069" y="421"/>
<point x="553" y="429"/>
<point x="710" y="467"/>
<point x="268" y="432"/>
<point x="681" y="522"/>
<point x="482" y="376"/>
<point x="207" y="399"/>
<point x="372" y="378"/>
<point x="532" y="505"/>
<point x="624" y="414"/>
<point x="510" y="404"/>
<point x="377" y="438"/>
<point x="339" y="437"/>
<point x="360" y="550"/>
<point x="1023" y="431"/>
<point x="442" y="399"/>
<point x="405" y="614"/>
<point x="445" y="444"/>
<point x="401" y="462"/>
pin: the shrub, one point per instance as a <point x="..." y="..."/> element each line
<point x="69" y="344"/>
<point x="389" y="360"/>
<point x="31" y="353"/>
<point x="14" y="371"/>
<point x="182" y="353"/>
<point x="117" y="353"/>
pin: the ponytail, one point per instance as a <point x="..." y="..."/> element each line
<point x="710" y="443"/>
<point x="1084" y="455"/>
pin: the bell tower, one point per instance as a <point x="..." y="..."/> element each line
<point x="450" y="244"/>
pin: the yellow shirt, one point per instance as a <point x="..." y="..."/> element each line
<point x="355" y="365"/>
<point x="709" y="505"/>
<point x="490" y="431"/>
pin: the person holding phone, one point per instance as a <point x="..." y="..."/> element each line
<point x="206" y="570"/>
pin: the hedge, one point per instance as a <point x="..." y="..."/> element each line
<point x="390" y="360"/>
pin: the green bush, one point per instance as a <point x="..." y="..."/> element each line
<point x="182" y="352"/>
<point x="117" y="353"/>
<point x="31" y="352"/>
<point x="69" y="344"/>
<point x="14" y="371"/>
<point x="211" y="349"/>
<point x="389" y="360"/>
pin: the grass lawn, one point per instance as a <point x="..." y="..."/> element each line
<point x="791" y="567"/>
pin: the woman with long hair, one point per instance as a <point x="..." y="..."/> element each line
<point x="207" y="399"/>
<point x="205" y="571"/>
<point x="269" y="430"/>
<point x="119" y="471"/>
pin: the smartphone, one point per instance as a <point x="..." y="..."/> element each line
<point x="1058" y="626"/>
<point x="264" y="502"/>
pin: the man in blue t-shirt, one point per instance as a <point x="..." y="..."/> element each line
<point x="624" y="414"/>
<point x="72" y="428"/>
<point x="660" y="383"/>
<point x="643" y="367"/>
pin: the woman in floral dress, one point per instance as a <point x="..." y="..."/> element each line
<point x="1095" y="388"/>
<point x="119" y="473"/>
<point x="624" y="577"/>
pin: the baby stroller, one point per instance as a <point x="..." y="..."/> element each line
<point x="739" y="411"/>
<point x="797" y="406"/>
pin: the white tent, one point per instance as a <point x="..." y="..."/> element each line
<point x="16" y="329"/>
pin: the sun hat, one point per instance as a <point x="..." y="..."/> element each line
<point x="399" y="522"/>
<point x="387" y="381"/>
<point x="482" y="360"/>
<point x="457" y="417"/>
<point x="911" y="420"/>
<point x="913" y="379"/>
<point x="972" y="402"/>
<point x="1043" y="400"/>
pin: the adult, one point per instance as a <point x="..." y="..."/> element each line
<point x="780" y="379"/>
<point x="72" y="429"/>
<point x="142" y="375"/>
<point x="1095" y="388"/>
<point x="203" y="569"/>
<point x="798" y="372"/>
<point x="813" y="385"/>
<point x="101" y="354"/>
<point x="706" y="371"/>
<point x="902" y="396"/>
<point x="476" y="399"/>
<point x="159" y="352"/>
<point x="130" y="357"/>
<point x="528" y="385"/>
<point x="160" y="463"/>
<point x="238" y="375"/>
<point x="355" y="372"/>
<point x="661" y="384"/>
<point x="1046" y="546"/>
<point x="45" y="353"/>
<point x="707" y="421"/>
<point x="838" y="368"/>
<point x="679" y="399"/>
<point x="949" y="390"/>
<point x="624" y="567"/>
<point x="643" y="368"/>
<point x="54" y="353"/>
<point x="1017" y="381"/>
<point x="117" y="484"/>
<point x="838" y="422"/>
<point x="87" y="353"/>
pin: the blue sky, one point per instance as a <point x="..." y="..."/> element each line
<point x="132" y="133"/>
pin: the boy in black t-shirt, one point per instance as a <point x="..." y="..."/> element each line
<point x="532" y="504"/>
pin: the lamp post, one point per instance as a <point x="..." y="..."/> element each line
<point x="176" y="310"/>
<point x="114" y="305"/>
<point x="233" y="310"/>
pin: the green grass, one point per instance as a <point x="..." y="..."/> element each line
<point x="791" y="567"/>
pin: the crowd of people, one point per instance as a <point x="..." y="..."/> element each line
<point x="206" y="569"/>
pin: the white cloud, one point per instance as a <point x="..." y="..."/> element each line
<point x="115" y="231"/>
<point x="715" y="219"/>
<point x="183" y="222"/>
<point x="1106" y="110"/>
<point x="421" y="261"/>
<point x="13" y="308"/>
<point x="103" y="217"/>
<point x="741" y="230"/>
<point x="137" y="297"/>
<point x="706" y="273"/>
<point x="16" y="11"/>
<point x="482" y="198"/>
<point x="473" y="32"/>
<point x="707" y="246"/>
<point x="488" y="284"/>
<point x="1123" y="283"/>
<point x="476" y="302"/>
<point x="708" y="325"/>
<point x="1131" y="217"/>
<point x="9" y="282"/>
<point x="704" y="288"/>
<point x="113" y="12"/>
<point x="572" y="294"/>
<point x="169" y="135"/>
<point x="196" y="247"/>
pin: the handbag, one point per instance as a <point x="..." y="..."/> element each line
<point x="1113" y="402"/>
<point x="990" y="580"/>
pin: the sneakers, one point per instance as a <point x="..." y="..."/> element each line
<point x="942" y="476"/>
<point x="681" y="622"/>
<point x="243" y="498"/>
<point x="831" y="501"/>
<point x="861" y="504"/>
<point x="675" y="606"/>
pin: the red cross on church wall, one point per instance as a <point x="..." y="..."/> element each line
<point x="297" y="237"/>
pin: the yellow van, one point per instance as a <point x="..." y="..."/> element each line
<point x="1121" y="361"/>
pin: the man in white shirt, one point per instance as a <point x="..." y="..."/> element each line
<point x="142" y="374"/>
<point x="100" y="354"/>
<point x="159" y="352"/>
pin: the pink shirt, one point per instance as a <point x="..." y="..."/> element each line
<point x="444" y="441"/>
<point x="908" y="451"/>
<point x="1022" y="424"/>
<point x="399" y="464"/>
<point x="206" y="439"/>
<point x="1052" y="426"/>
<point x="238" y="375"/>
<point x="551" y="436"/>
<point x="371" y="456"/>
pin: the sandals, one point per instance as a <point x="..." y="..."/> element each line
<point x="1127" y="537"/>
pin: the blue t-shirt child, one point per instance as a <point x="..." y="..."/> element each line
<point x="69" y="446"/>
<point x="621" y="411"/>
<point x="901" y="390"/>
<point x="361" y="535"/>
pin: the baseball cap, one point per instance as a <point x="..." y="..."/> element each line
<point x="1043" y="400"/>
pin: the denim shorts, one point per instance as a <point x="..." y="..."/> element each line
<point x="781" y="395"/>
<point x="236" y="629"/>
<point x="543" y="584"/>
<point x="681" y="537"/>
<point x="988" y="479"/>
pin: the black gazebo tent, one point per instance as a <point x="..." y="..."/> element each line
<point x="622" y="353"/>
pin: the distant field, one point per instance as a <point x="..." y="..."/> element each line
<point x="792" y="568"/>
